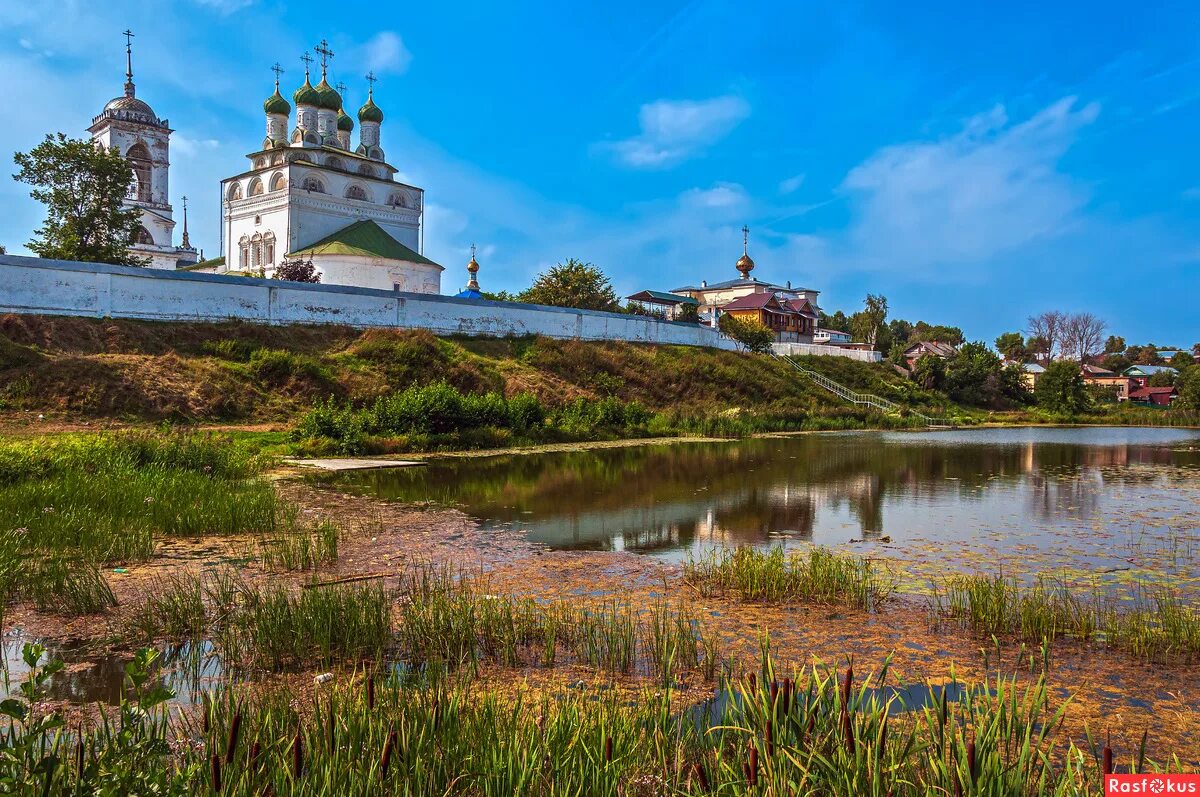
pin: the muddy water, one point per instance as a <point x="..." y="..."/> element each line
<point x="1112" y="503"/>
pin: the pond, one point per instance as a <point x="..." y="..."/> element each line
<point x="1116" y="501"/>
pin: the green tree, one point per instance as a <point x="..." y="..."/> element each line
<point x="939" y="332"/>
<point x="1144" y="355"/>
<point x="930" y="372"/>
<point x="574" y="283"/>
<point x="1114" y="345"/>
<point x="973" y="376"/>
<point x="82" y="186"/>
<point x="1181" y="360"/>
<point x="1062" y="389"/>
<point x="901" y="331"/>
<point x="1012" y="346"/>
<point x="867" y="323"/>
<point x="1116" y="362"/>
<point x="748" y="335"/>
<point x="688" y="313"/>
<point x="297" y="270"/>
<point x="1161" y="379"/>
<point x="837" y="321"/>
<point x="1188" y="385"/>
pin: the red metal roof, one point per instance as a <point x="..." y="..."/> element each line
<point x="1147" y="392"/>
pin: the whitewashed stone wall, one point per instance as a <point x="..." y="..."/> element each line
<point x="57" y="287"/>
<point x="821" y="350"/>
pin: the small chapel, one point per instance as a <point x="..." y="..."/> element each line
<point x="311" y="194"/>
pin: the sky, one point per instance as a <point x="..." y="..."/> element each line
<point x="973" y="162"/>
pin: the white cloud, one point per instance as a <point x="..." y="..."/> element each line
<point x="674" y="130"/>
<point x="190" y="147"/>
<point x="721" y="195"/>
<point x="789" y="185"/>
<point x="990" y="188"/>
<point x="224" y="6"/>
<point x="385" y="52"/>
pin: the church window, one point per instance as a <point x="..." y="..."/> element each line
<point x="235" y="191"/>
<point x="397" y="200"/>
<point x="356" y="192"/>
<point x="139" y="159"/>
<point x="314" y="184"/>
<point x="278" y="182"/>
<point x="260" y="163"/>
<point x="143" y="236"/>
<point x="256" y="187"/>
<point x="258" y="219"/>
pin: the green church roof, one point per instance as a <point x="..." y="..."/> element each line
<point x="306" y="94"/>
<point x="330" y="100"/>
<point x="365" y="239"/>
<point x="370" y="112"/>
<point x="344" y="122"/>
<point x="277" y="104"/>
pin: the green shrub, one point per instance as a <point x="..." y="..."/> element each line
<point x="230" y="349"/>
<point x="277" y="365"/>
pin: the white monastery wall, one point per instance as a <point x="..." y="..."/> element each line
<point x="57" y="287"/>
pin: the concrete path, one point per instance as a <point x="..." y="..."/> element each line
<point x="336" y="464"/>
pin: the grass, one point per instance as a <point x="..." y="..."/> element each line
<point x="1155" y="624"/>
<point x="817" y="574"/>
<point x="816" y="731"/>
<point x="295" y="547"/>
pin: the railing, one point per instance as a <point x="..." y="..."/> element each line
<point x="861" y="399"/>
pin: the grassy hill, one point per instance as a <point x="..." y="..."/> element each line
<point x="235" y="372"/>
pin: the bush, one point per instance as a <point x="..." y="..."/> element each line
<point x="276" y="366"/>
<point x="749" y="335"/>
<point x="1062" y="389"/>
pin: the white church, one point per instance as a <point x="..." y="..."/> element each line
<point x="131" y="127"/>
<point x="310" y="194"/>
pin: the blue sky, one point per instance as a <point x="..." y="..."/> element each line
<point x="974" y="162"/>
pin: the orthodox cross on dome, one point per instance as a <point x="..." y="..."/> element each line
<point x="341" y="88"/>
<point x="745" y="263"/>
<point x="307" y="59"/>
<point x="473" y="270"/>
<point x="278" y="70"/>
<point x="128" y="34"/>
<point x="745" y="239"/>
<point x="323" y="50"/>
<point x="370" y="78"/>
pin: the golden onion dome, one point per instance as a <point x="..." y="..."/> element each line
<point x="745" y="264"/>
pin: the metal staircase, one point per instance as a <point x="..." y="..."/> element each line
<point x="863" y="399"/>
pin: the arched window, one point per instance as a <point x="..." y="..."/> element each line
<point x="139" y="159"/>
<point x="143" y="236"/>
<point x="235" y="191"/>
<point x="314" y="184"/>
<point x="260" y="163"/>
<point x="256" y="250"/>
<point x="278" y="182"/>
<point x="256" y="187"/>
<point x="397" y="200"/>
<point x="243" y="252"/>
<point x="335" y="163"/>
<point x="366" y="170"/>
<point x="357" y="192"/>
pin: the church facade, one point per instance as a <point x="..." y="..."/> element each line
<point x="130" y="126"/>
<point x="311" y="194"/>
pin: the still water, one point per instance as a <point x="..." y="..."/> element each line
<point x="1108" y="498"/>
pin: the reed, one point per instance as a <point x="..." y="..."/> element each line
<point x="817" y="575"/>
<point x="438" y="733"/>
<point x="1154" y="623"/>
<point x="294" y="547"/>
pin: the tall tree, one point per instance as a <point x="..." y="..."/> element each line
<point x="1114" y="345"/>
<point x="1012" y="346"/>
<point x="1188" y="385"/>
<point x="1082" y="336"/>
<point x="866" y="323"/>
<point x="573" y="284"/>
<point x="1181" y="360"/>
<point x="1062" y="389"/>
<point x="82" y="186"/>
<point x="1049" y="327"/>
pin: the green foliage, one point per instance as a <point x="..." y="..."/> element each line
<point x="82" y="187"/>
<point x="1062" y="389"/>
<point x="1161" y="379"/>
<point x="1115" y="344"/>
<point x="688" y="313"/>
<point x="868" y="323"/>
<point x="749" y="335"/>
<point x="1188" y="385"/>
<point x="974" y="376"/>
<point x="942" y="334"/>
<point x="930" y="372"/>
<point x="573" y="284"/>
<point x="1011" y="346"/>
<point x="276" y="366"/>
<point x="1180" y="360"/>
<point x="297" y="270"/>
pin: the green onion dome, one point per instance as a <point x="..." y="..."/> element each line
<point x="370" y="111"/>
<point x="330" y="100"/>
<point x="277" y="104"/>
<point x="344" y="122"/>
<point x="306" y="94"/>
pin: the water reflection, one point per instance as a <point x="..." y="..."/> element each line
<point x="829" y="489"/>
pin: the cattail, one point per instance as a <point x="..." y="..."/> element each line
<point x="788" y="687"/>
<point x="608" y="749"/>
<point x="204" y="718"/>
<point x="216" y="773"/>
<point x="848" y="730"/>
<point x="774" y="695"/>
<point x="1108" y="756"/>
<point x="298" y="754"/>
<point x="701" y="777"/>
<point x="753" y="683"/>
<point x="371" y="691"/>
<point x="848" y="684"/>
<point x="436" y="713"/>
<point x="388" y="747"/>
<point x="235" y="729"/>
<point x="770" y="738"/>
<point x="255" y="756"/>
<point x="971" y="762"/>
<point x="752" y="766"/>
<point x="79" y="752"/>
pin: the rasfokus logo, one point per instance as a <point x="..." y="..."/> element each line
<point x="1151" y="784"/>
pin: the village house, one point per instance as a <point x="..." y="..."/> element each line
<point x="1118" y="384"/>
<point x="1030" y="372"/>
<point x="792" y="320"/>
<point x="926" y="348"/>
<point x="1156" y="396"/>
<point x="664" y="305"/>
<point x="830" y="337"/>
<point x="1140" y="374"/>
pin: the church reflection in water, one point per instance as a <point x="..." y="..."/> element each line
<point x="823" y="488"/>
